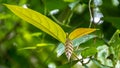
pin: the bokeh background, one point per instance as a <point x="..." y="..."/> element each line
<point x="24" y="46"/>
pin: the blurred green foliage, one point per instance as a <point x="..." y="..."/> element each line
<point x="24" y="46"/>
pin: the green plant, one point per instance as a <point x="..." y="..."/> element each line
<point x="50" y="27"/>
<point x="98" y="47"/>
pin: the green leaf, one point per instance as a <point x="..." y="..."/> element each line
<point x="40" y="21"/>
<point x="93" y="43"/>
<point x="89" y="52"/>
<point x="76" y="42"/>
<point x="43" y="44"/>
<point x="115" y="21"/>
<point x="38" y="45"/>
<point x="31" y="48"/>
<point x="115" y="43"/>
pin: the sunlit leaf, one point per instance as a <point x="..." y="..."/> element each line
<point x="69" y="0"/>
<point x="80" y="32"/>
<point x="37" y="34"/>
<point x="76" y="42"/>
<point x="40" y="21"/>
<point x="38" y="45"/>
<point x="27" y="48"/>
<point x="43" y="44"/>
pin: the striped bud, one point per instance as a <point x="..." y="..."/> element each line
<point x="68" y="48"/>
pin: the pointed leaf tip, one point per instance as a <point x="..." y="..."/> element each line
<point x="79" y="32"/>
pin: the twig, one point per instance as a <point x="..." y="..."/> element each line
<point x="76" y="57"/>
<point x="88" y="60"/>
<point x="81" y="60"/>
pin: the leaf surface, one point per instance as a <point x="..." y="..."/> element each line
<point x="40" y="21"/>
<point x="89" y="52"/>
<point x="80" y="32"/>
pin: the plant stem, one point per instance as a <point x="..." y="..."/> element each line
<point x="91" y="17"/>
<point x="77" y="57"/>
<point x="69" y="18"/>
<point x="53" y="17"/>
<point x="71" y="13"/>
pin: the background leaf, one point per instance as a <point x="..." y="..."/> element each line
<point x="115" y="43"/>
<point x="37" y="46"/>
<point x="40" y="21"/>
<point x="115" y="21"/>
<point x="80" y="32"/>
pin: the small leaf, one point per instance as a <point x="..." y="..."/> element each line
<point x="28" y="48"/>
<point x="69" y="0"/>
<point x="60" y="49"/>
<point x="80" y="32"/>
<point x="89" y="52"/>
<point x="43" y="44"/>
<point x="76" y="42"/>
<point x="40" y="21"/>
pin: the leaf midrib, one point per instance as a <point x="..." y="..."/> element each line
<point x="39" y="23"/>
